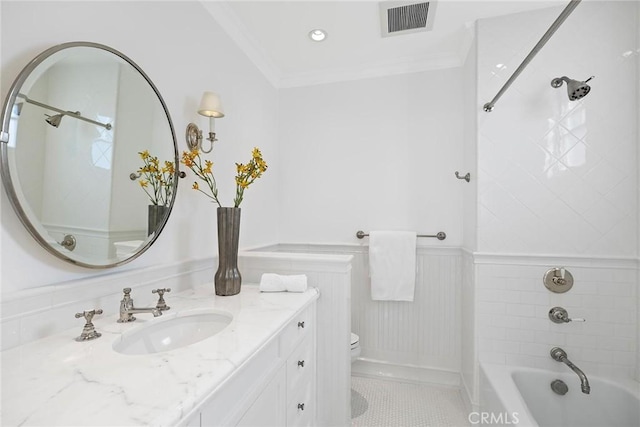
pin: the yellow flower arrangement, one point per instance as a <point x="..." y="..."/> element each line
<point x="246" y="174"/>
<point x="156" y="180"/>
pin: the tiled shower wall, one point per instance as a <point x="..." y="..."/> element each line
<point x="558" y="177"/>
<point x="558" y="186"/>
<point x="514" y="327"/>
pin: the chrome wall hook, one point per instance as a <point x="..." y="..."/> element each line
<point x="467" y="177"/>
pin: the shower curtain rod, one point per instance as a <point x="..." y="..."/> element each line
<point x="66" y="113"/>
<point x="488" y="107"/>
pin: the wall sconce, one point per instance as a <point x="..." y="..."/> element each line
<point x="210" y="106"/>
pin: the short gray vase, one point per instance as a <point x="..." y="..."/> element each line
<point x="227" y="279"/>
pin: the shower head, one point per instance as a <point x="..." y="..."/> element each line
<point x="575" y="89"/>
<point x="54" y="120"/>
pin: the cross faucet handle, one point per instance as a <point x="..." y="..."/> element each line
<point x="89" y="331"/>
<point x="88" y="315"/>
<point x="161" y="305"/>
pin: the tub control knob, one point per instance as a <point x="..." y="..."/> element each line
<point x="558" y="280"/>
<point x="560" y="315"/>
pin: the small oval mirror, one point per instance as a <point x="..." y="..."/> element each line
<point x="89" y="154"/>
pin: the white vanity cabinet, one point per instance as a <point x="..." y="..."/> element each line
<point x="275" y="387"/>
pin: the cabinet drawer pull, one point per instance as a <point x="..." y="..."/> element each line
<point x="301" y="406"/>
<point x="301" y="363"/>
<point x="301" y="324"/>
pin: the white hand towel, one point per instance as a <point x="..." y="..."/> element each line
<point x="392" y="265"/>
<point x="295" y="282"/>
<point x="270" y="282"/>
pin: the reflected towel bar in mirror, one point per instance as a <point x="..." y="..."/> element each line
<point x="440" y="235"/>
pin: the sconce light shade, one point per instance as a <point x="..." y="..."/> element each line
<point x="210" y="105"/>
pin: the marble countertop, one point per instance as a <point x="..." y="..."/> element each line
<point x="58" y="381"/>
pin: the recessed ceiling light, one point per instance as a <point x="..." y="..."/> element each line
<point x="317" y="35"/>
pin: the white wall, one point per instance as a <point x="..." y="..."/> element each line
<point x="557" y="186"/>
<point x="184" y="52"/>
<point x="373" y="154"/>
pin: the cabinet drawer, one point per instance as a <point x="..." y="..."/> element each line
<point x="301" y="365"/>
<point x="295" y="331"/>
<point x="268" y="409"/>
<point x="301" y="408"/>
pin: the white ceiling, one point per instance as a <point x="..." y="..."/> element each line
<point x="274" y="36"/>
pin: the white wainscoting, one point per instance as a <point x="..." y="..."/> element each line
<point x="331" y="274"/>
<point x="37" y="313"/>
<point x="417" y="341"/>
<point x="92" y="243"/>
<point x="469" y="328"/>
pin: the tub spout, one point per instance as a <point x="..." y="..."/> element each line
<point x="560" y="355"/>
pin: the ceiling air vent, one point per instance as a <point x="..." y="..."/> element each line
<point x="404" y="17"/>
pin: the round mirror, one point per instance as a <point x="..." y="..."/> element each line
<point x="89" y="154"/>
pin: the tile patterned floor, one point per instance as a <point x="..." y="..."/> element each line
<point x="384" y="403"/>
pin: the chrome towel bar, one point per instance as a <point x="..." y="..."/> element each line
<point x="440" y="236"/>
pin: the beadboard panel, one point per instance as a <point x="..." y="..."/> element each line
<point x="331" y="274"/>
<point x="424" y="333"/>
<point x="469" y="347"/>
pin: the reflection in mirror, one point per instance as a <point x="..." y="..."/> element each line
<point x="74" y="128"/>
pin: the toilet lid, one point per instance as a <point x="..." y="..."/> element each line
<point x="354" y="340"/>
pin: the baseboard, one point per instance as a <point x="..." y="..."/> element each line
<point x="406" y="373"/>
<point x="467" y="397"/>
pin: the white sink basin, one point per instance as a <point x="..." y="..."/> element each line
<point x="169" y="333"/>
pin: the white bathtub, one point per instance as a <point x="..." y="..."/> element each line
<point x="521" y="396"/>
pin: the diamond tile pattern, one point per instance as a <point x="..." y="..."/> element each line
<point x="558" y="176"/>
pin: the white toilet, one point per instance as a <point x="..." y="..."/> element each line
<point x="355" y="347"/>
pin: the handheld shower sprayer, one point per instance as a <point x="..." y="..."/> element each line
<point x="575" y="89"/>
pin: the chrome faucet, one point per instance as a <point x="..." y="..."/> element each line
<point x="127" y="309"/>
<point x="560" y="355"/>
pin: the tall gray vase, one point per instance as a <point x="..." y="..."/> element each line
<point x="227" y="278"/>
<point x="155" y="217"/>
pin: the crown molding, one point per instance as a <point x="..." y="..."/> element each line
<point x="232" y="25"/>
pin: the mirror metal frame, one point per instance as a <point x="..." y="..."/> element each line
<point x="4" y="153"/>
